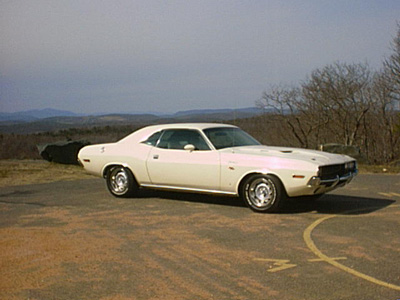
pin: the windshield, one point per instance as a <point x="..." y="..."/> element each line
<point x="225" y="137"/>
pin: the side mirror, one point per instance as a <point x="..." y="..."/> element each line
<point x="189" y="147"/>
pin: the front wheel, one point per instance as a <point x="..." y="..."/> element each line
<point x="263" y="193"/>
<point x="120" y="182"/>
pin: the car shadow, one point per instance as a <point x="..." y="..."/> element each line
<point x="327" y="204"/>
<point x="192" y="197"/>
<point x="336" y="205"/>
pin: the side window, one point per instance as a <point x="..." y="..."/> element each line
<point x="152" y="140"/>
<point x="165" y="139"/>
<point x="179" y="138"/>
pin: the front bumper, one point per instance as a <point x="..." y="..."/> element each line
<point x="320" y="185"/>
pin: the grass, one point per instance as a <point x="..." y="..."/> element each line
<point x="21" y="172"/>
<point x="383" y="169"/>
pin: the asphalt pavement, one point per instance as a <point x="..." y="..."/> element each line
<point x="73" y="240"/>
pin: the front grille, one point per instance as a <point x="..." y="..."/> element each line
<point x="332" y="171"/>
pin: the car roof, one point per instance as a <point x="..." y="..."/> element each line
<point x="145" y="132"/>
<point x="200" y="126"/>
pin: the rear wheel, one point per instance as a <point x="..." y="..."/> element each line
<point x="120" y="182"/>
<point x="263" y="193"/>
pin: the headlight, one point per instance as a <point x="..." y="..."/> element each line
<point x="350" y="166"/>
<point x="314" y="182"/>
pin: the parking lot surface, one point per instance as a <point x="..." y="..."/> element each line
<point x="72" y="240"/>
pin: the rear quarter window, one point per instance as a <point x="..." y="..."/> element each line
<point x="153" y="139"/>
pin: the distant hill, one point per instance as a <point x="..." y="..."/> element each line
<point x="52" y="120"/>
<point x="36" y="114"/>
<point x="250" y="110"/>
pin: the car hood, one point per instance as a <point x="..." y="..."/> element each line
<point x="312" y="156"/>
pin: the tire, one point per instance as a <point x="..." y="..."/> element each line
<point x="263" y="193"/>
<point x="121" y="183"/>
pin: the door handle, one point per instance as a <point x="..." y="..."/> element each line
<point x="155" y="156"/>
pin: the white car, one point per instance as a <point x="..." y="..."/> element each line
<point x="218" y="159"/>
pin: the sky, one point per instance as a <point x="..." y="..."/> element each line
<point x="92" y="56"/>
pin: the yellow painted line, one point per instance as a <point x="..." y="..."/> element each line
<point x="282" y="264"/>
<point x="310" y="244"/>
<point x="319" y="259"/>
<point x="390" y="195"/>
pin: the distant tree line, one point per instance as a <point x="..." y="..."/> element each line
<point x="343" y="103"/>
<point x="24" y="146"/>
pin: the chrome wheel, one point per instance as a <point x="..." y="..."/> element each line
<point x="263" y="193"/>
<point x="120" y="182"/>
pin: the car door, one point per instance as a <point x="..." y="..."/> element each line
<point x="169" y="164"/>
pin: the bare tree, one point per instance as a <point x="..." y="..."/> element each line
<point x="339" y="93"/>
<point x="392" y="67"/>
<point x="333" y="100"/>
<point x="386" y="97"/>
<point x="381" y="137"/>
<point x="295" y="111"/>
